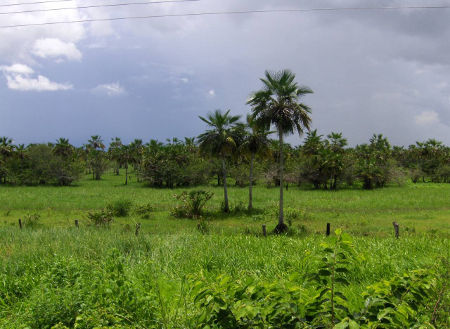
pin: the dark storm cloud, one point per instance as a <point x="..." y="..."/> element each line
<point x="372" y="72"/>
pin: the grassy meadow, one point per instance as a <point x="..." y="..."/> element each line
<point x="53" y="275"/>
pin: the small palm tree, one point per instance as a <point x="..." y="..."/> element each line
<point x="221" y="141"/>
<point x="255" y="143"/>
<point x="277" y="103"/>
<point x="6" y="151"/>
<point x="114" y="152"/>
<point x="63" y="148"/>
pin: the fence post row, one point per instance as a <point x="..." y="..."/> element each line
<point x="264" y="230"/>
<point x="328" y="229"/>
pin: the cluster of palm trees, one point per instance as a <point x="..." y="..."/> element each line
<point x="228" y="145"/>
<point x="277" y="104"/>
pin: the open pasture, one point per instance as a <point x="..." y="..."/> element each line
<point x="53" y="275"/>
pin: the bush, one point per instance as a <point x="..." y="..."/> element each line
<point x="31" y="220"/>
<point x="101" y="218"/>
<point x="192" y="204"/>
<point x="143" y="210"/>
<point x="120" y="208"/>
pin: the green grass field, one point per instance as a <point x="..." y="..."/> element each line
<point x="418" y="208"/>
<point x="50" y="273"/>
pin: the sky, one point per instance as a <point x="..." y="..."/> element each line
<point x="371" y="71"/>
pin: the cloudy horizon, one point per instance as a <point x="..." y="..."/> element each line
<point x="371" y="71"/>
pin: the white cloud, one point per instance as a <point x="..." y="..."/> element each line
<point x="17" y="68"/>
<point x="212" y="93"/>
<point x="20" y="77"/>
<point x="41" y="83"/>
<point x="55" y="48"/>
<point x="110" y="89"/>
<point x="427" y="118"/>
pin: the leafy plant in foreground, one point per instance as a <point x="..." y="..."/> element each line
<point x="330" y="304"/>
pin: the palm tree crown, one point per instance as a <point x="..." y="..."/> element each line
<point x="277" y="103"/>
<point x="223" y="136"/>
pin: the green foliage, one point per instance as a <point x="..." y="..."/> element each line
<point x="30" y="220"/>
<point x="192" y="203"/>
<point x="143" y="210"/>
<point x="330" y="304"/>
<point x="102" y="217"/>
<point x="397" y="303"/>
<point x="203" y="226"/>
<point x="120" y="208"/>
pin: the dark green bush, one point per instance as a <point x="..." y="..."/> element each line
<point x="143" y="210"/>
<point x="120" y="208"/>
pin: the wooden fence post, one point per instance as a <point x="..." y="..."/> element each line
<point x="328" y="229"/>
<point x="264" y="230"/>
<point x="138" y="227"/>
<point x="20" y="223"/>
<point x="396" y="229"/>
<point x="76" y="223"/>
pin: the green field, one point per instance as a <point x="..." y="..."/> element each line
<point x="52" y="273"/>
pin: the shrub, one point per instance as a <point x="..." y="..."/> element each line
<point x="31" y="220"/>
<point x="192" y="204"/>
<point x="101" y="218"/>
<point x="143" y="210"/>
<point x="120" y="208"/>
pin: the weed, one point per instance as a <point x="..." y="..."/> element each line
<point x="101" y="218"/>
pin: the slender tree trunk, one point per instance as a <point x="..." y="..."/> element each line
<point x="225" y="191"/>
<point x="281" y="227"/>
<point x="126" y="174"/>
<point x="250" y="186"/>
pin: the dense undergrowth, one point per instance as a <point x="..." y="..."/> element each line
<point x="108" y="278"/>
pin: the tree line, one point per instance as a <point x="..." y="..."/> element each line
<point x="243" y="153"/>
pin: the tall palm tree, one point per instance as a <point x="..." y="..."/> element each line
<point x="114" y="152"/>
<point x="255" y="143"/>
<point x="97" y="162"/>
<point x="277" y="103"/>
<point x="221" y="141"/>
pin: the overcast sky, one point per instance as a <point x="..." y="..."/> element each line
<point x="371" y="71"/>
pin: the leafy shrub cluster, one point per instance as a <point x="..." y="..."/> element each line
<point x="191" y="203"/>
<point x="102" y="217"/>
<point x="143" y="210"/>
<point x="30" y="220"/>
<point x="120" y="208"/>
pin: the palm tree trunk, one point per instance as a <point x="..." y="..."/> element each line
<point x="281" y="227"/>
<point x="226" y="207"/>
<point x="250" y="186"/>
<point x="126" y="174"/>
